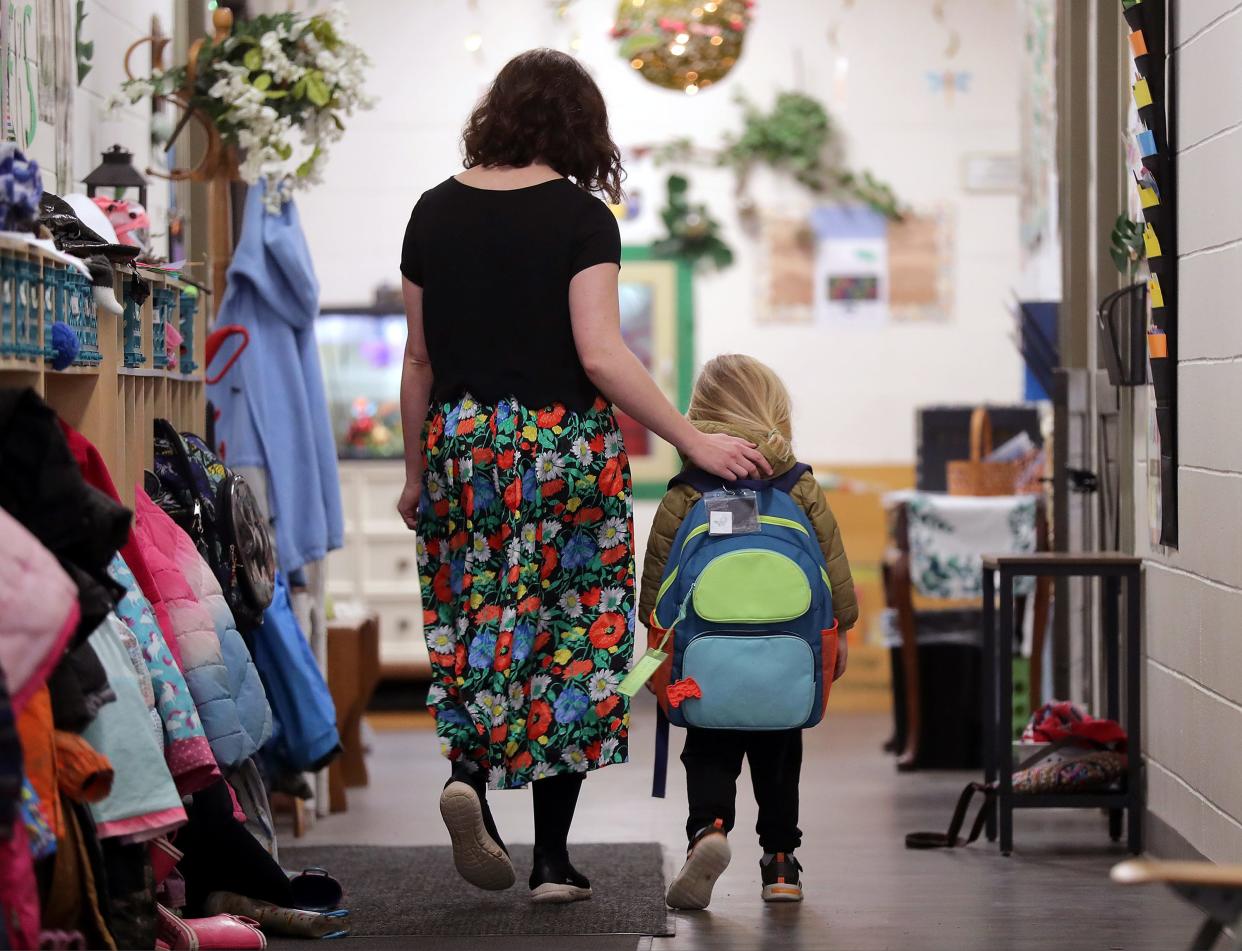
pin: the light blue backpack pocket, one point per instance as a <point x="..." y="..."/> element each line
<point x="749" y="681"/>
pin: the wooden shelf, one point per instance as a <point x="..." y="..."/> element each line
<point x="84" y="370"/>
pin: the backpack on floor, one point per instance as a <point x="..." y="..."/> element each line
<point x="753" y="636"/>
<point x="218" y="510"/>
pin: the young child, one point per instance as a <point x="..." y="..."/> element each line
<point x="737" y="394"/>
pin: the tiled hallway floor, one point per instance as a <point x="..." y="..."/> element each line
<point x="864" y="889"/>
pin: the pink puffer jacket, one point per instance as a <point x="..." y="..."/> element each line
<point x="201" y="658"/>
<point x="38" y="610"/>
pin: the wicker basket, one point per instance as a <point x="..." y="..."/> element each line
<point x="973" y="476"/>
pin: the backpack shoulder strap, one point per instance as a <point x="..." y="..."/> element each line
<point x="659" y="771"/>
<point x="787" y="480"/>
<point x="704" y="482"/>
<point x="699" y="480"/>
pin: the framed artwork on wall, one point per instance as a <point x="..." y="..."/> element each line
<point x="657" y="322"/>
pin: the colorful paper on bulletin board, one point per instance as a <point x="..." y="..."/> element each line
<point x="1147" y="143"/>
<point x="1138" y="43"/>
<point x="1151" y="244"/>
<point x="1148" y="197"/>
<point x="1154" y="293"/>
<point x="1142" y="93"/>
<point x="850" y="275"/>
<point x="1157" y="344"/>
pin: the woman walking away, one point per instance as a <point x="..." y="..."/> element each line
<point x="519" y="487"/>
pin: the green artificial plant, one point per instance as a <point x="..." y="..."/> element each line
<point x="797" y="137"/>
<point x="1125" y="246"/>
<point x="85" y="49"/>
<point x="693" y="234"/>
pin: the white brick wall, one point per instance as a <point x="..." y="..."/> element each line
<point x="1194" y="595"/>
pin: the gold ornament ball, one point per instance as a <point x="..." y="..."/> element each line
<point x="682" y="45"/>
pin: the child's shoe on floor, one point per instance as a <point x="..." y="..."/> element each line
<point x="706" y="861"/>
<point x="782" y="880"/>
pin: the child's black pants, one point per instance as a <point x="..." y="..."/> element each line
<point x="713" y="760"/>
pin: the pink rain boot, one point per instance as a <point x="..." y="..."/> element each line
<point x="216" y="932"/>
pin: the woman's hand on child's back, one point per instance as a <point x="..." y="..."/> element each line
<point x="843" y="657"/>
<point x="727" y="456"/>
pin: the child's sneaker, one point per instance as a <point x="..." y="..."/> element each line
<point x="781" y="878"/>
<point x="706" y="860"/>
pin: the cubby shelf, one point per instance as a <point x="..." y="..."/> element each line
<point x="113" y="404"/>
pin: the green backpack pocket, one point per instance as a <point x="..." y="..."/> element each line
<point x="751" y="586"/>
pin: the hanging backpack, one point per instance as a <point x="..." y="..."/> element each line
<point x="750" y="615"/>
<point x="218" y="510"/>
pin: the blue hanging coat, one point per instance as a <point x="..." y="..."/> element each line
<point x="273" y="413"/>
<point x="304" y="733"/>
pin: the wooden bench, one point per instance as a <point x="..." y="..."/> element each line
<point x="1215" y="889"/>
<point x="353" y="673"/>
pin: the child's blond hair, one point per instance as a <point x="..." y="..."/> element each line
<point x="747" y="396"/>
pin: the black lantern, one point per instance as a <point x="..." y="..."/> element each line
<point x="117" y="171"/>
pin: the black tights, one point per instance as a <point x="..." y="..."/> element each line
<point x="555" y="799"/>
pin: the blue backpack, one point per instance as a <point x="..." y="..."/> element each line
<point x="753" y="633"/>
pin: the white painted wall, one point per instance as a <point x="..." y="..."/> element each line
<point x="855" y="392"/>
<point x="1194" y="595"/>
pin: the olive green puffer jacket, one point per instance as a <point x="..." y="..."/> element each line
<point x="680" y="499"/>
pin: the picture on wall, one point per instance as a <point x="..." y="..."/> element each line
<point x="849" y="265"/>
<point x="788" y="246"/>
<point x="657" y="324"/>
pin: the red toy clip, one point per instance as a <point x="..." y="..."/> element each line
<point x="683" y="690"/>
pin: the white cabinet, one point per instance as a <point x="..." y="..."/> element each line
<point x="378" y="567"/>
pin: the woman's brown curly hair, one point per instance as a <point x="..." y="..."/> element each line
<point x="543" y="106"/>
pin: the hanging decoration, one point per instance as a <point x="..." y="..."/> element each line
<point x="954" y="41"/>
<point x="693" y="234"/>
<point x="276" y="82"/>
<point x="797" y="137"/>
<point x="84" y="49"/>
<point x="682" y="44"/>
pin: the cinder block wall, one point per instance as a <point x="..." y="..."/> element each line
<point x="1194" y="595"/>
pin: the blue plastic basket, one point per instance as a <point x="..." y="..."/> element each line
<point x="164" y="302"/>
<point x="189" y="308"/>
<point x="29" y="335"/>
<point x="131" y="327"/>
<point x="54" y="305"/>
<point x="8" y="304"/>
<point x="82" y="317"/>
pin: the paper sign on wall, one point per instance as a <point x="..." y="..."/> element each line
<point x="1151" y="243"/>
<point x="1154" y="292"/>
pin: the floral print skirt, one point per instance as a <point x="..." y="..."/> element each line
<point x="527" y="568"/>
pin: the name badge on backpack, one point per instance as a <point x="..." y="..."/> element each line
<point x="732" y="512"/>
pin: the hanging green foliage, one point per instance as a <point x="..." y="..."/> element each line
<point x="1125" y="245"/>
<point x="792" y="137"/>
<point x="85" y="49"/>
<point x="693" y="234"/>
<point x="797" y="137"/>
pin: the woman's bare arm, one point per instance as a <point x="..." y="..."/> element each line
<point x="415" y="394"/>
<point x="621" y="377"/>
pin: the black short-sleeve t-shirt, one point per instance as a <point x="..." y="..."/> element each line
<point x="495" y="268"/>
